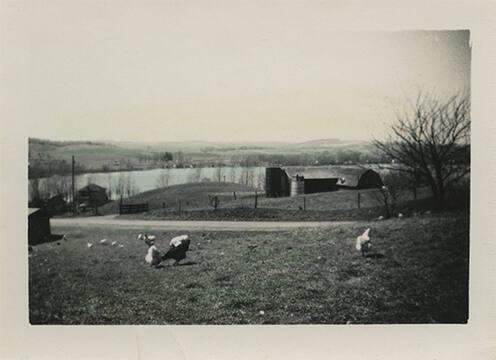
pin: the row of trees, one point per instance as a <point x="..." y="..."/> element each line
<point x="327" y="157"/>
<point x="124" y="187"/>
<point x="248" y="176"/>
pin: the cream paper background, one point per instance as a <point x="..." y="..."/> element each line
<point x="476" y="340"/>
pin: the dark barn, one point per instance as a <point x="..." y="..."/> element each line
<point x="92" y="195"/>
<point x="38" y="226"/>
<point x="358" y="178"/>
<point x="294" y="180"/>
<point x="276" y="182"/>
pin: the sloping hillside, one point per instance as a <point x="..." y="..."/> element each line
<point x="90" y="155"/>
<point x="193" y="195"/>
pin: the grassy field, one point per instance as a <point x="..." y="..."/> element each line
<point x="309" y="276"/>
<point x="195" y="204"/>
<point x="192" y="196"/>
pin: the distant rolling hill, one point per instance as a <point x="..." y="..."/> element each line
<point x="101" y="155"/>
<point x="91" y="155"/>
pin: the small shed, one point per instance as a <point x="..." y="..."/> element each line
<point x="56" y="205"/>
<point x="92" y="194"/>
<point x="38" y="226"/>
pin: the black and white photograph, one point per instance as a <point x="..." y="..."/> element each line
<point x="318" y="185"/>
<point x="187" y="165"/>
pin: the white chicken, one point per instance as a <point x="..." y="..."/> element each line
<point x="153" y="256"/>
<point x="103" y="241"/>
<point x="178" y="240"/>
<point x="148" y="239"/>
<point x="114" y="243"/>
<point x="89" y="245"/>
<point x="363" y="242"/>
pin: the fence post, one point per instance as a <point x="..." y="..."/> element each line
<point x="358" y="199"/>
<point x="234" y="194"/>
<point x="304" y="203"/>
<point x="256" y="199"/>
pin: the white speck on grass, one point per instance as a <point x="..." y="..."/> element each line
<point x="262" y="312"/>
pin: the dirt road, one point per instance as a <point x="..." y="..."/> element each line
<point x="112" y="222"/>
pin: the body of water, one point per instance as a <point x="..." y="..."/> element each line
<point x="140" y="181"/>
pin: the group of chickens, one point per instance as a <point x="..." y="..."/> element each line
<point x="178" y="247"/>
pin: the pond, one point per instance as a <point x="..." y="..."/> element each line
<point x="144" y="180"/>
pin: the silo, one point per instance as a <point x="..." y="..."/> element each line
<point x="297" y="186"/>
<point x="273" y="182"/>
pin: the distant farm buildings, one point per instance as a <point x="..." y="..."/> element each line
<point x="92" y="195"/>
<point x="295" y="180"/>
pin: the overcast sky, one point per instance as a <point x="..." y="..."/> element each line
<point x="178" y="71"/>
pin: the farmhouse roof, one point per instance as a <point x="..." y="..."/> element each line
<point x="32" y="210"/>
<point x="349" y="175"/>
<point x="309" y="172"/>
<point x="92" y="188"/>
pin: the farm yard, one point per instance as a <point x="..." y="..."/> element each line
<point x="237" y="202"/>
<point x="305" y="276"/>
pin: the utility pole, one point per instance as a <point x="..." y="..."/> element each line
<point x="74" y="207"/>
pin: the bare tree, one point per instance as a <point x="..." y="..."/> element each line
<point x="218" y="174"/>
<point x="244" y="176"/>
<point x="195" y="175"/>
<point x="250" y="177"/>
<point x="90" y="179"/>
<point x="261" y="179"/>
<point x="395" y="183"/>
<point x="109" y="182"/>
<point x="232" y="174"/>
<point x="432" y="141"/>
<point x="130" y="187"/>
<point x="163" y="178"/>
<point x="121" y="185"/>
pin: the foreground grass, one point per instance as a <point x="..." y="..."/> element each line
<point x="301" y="277"/>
